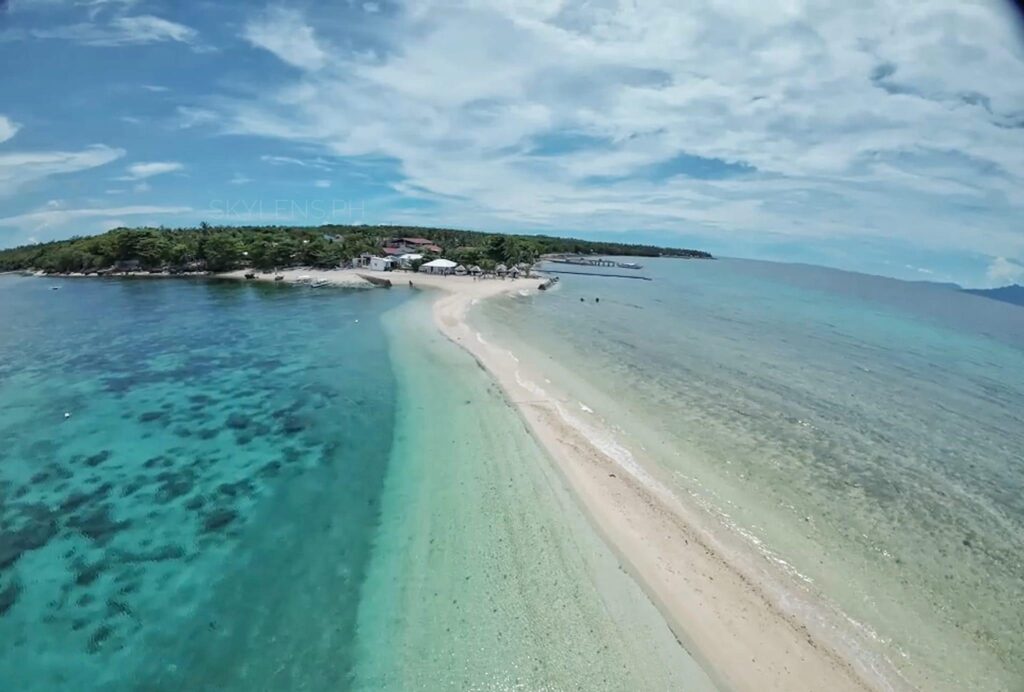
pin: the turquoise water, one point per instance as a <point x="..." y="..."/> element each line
<point x="275" y="488"/>
<point x="865" y="435"/>
<point x="168" y="531"/>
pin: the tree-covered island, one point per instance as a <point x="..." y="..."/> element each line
<point x="216" y="249"/>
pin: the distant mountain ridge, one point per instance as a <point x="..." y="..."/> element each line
<point x="1008" y="294"/>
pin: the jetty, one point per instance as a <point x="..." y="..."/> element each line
<point x="582" y="261"/>
<point x="614" y="276"/>
<point x="376" y="281"/>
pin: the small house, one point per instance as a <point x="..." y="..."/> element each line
<point x="382" y="264"/>
<point x="405" y="261"/>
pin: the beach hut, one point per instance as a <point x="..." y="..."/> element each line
<point x="475" y="270"/>
<point x="438" y="266"/>
<point x="461" y="270"/>
<point x="501" y="270"/>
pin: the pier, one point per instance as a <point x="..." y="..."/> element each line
<point x="590" y="261"/>
<point x="615" y="276"/>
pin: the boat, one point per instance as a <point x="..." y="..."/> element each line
<point x="320" y="283"/>
<point x="54" y="288"/>
<point x="629" y="265"/>
<point x="279" y="277"/>
<point x="250" y="276"/>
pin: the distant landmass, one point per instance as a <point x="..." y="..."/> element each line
<point x="223" y="248"/>
<point x="1008" y="294"/>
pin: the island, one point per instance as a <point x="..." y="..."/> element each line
<point x="209" y="248"/>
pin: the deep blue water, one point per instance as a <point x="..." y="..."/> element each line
<point x="203" y="517"/>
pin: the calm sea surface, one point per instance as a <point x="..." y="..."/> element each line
<point x="166" y="533"/>
<point x="864" y="433"/>
<point x="275" y="488"/>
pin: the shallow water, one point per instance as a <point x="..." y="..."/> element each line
<point x="274" y="488"/>
<point x="864" y="433"/>
<point x="204" y="517"/>
<point x="486" y="575"/>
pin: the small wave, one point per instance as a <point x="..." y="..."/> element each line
<point x="529" y="386"/>
<point x="584" y="407"/>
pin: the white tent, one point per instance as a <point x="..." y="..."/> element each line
<point x="438" y="266"/>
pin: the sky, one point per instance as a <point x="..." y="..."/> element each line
<point x="880" y="136"/>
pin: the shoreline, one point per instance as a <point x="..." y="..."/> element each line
<point x="717" y="610"/>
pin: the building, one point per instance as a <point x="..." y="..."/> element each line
<point x="405" y="261"/>
<point x="382" y="264"/>
<point x="422" y="245"/>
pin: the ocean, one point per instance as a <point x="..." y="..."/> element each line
<point x="226" y="486"/>
<point x="861" y="438"/>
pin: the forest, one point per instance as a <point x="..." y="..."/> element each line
<point x="209" y="248"/>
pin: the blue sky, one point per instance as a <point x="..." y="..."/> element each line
<point x="879" y="136"/>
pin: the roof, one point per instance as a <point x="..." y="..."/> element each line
<point x="417" y="241"/>
<point x="411" y="257"/>
<point x="441" y="264"/>
<point x="393" y="251"/>
<point x="432" y="248"/>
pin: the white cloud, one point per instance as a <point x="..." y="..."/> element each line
<point x="865" y="119"/>
<point x="141" y="171"/>
<point x="121" y="31"/>
<point x="284" y="33"/>
<point x="189" y="117"/>
<point x="20" y="168"/>
<point x="1003" y="271"/>
<point x="239" y="179"/>
<point x="8" y="128"/>
<point x="322" y="183"/>
<point x="317" y="163"/>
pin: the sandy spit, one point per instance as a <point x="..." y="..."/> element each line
<point x="718" y="613"/>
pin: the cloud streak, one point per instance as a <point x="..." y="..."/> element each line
<point x="142" y="171"/>
<point x="8" y="128"/>
<point x="284" y="33"/>
<point x="18" y="169"/>
<point x="121" y="31"/>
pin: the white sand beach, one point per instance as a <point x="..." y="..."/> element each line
<point x="718" y="611"/>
